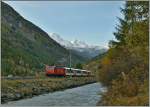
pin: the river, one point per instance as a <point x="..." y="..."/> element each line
<point x="87" y="95"/>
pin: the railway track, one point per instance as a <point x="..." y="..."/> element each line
<point x="32" y="77"/>
<point x="17" y="78"/>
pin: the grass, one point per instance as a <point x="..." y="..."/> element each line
<point x="114" y="97"/>
<point x="19" y="89"/>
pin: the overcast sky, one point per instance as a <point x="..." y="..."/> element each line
<point x="90" y="21"/>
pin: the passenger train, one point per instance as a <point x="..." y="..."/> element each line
<point x="65" y="71"/>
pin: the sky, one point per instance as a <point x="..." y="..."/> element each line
<point x="90" y="21"/>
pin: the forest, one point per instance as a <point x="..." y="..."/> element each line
<point x="125" y="67"/>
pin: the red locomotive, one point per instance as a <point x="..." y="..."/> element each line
<point x="64" y="71"/>
<point x="55" y="71"/>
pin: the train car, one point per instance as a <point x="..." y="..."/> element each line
<point x="64" y="71"/>
<point x="77" y="72"/>
<point x="84" y="72"/>
<point x="69" y="71"/>
<point x="89" y="73"/>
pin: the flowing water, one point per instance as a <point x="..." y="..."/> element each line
<point x="87" y="95"/>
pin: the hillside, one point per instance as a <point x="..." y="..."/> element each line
<point x="94" y="64"/>
<point x="25" y="48"/>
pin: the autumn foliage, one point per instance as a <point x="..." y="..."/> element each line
<point x="125" y="68"/>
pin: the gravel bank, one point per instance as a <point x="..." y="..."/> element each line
<point x="12" y="90"/>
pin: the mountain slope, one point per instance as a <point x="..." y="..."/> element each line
<point x="26" y="48"/>
<point x="79" y="47"/>
<point x="94" y="64"/>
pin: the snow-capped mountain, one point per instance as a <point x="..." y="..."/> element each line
<point x="59" y="40"/>
<point x="79" y="47"/>
<point x="80" y="44"/>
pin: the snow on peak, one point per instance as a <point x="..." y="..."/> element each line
<point x="73" y="44"/>
<point x="79" y="46"/>
<point x="59" y="40"/>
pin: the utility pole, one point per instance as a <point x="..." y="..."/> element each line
<point x="70" y="58"/>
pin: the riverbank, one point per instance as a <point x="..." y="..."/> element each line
<point x="12" y="90"/>
<point x="86" y="95"/>
<point x="114" y="96"/>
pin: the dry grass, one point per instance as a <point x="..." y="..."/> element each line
<point x="115" y="98"/>
<point x="18" y="89"/>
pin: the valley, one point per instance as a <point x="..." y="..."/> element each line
<point x="26" y="48"/>
<point x="50" y="56"/>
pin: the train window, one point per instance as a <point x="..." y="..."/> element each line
<point x="85" y="72"/>
<point x="69" y="71"/>
<point x="78" y="71"/>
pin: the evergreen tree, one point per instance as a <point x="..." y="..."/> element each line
<point x="125" y="68"/>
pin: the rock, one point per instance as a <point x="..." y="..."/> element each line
<point x="4" y="98"/>
<point x="10" y="76"/>
<point x="35" y="91"/>
<point x="7" y="97"/>
<point x="18" y="96"/>
<point x="11" y="96"/>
